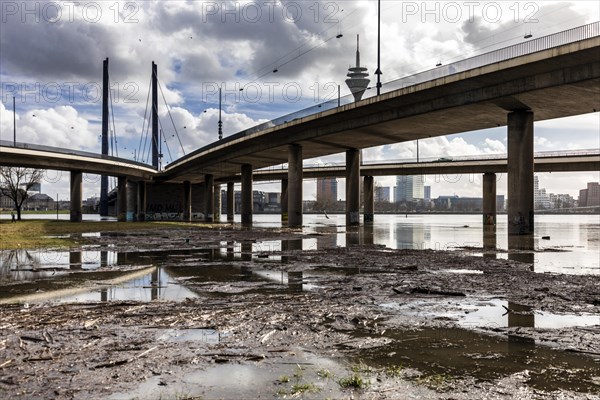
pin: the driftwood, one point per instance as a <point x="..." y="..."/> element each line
<point x="422" y="290"/>
<point x="121" y="362"/>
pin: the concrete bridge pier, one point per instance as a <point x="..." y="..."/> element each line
<point x="209" y="197"/>
<point x="294" y="186"/>
<point x="369" y="187"/>
<point x="187" y="201"/>
<point x="131" y="214"/>
<point x="141" y="201"/>
<point x="217" y="203"/>
<point x="284" y="201"/>
<point x="122" y="199"/>
<point x="247" y="195"/>
<point x="230" y="201"/>
<point x="520" y="172"/>
<point x="76" y="195"/>
<point x="489" y="199"/>
<point x="353" y="187"/>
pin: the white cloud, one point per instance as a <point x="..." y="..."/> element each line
<point x="59" y="126"/>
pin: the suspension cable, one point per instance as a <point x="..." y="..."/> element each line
<point x="142" y="137"/>
<point x="170" y="116"/>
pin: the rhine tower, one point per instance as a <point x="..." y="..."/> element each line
<point x="357" y="76"/>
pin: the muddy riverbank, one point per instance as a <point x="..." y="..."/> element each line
<point x="272" y="313"/>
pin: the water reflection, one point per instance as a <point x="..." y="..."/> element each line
<point x="22" y="265"/>
<point x="489" y="241"/>
<point x="521" y="248"/>
<point x="410" y="236"/>
<point x="571" y="244"/>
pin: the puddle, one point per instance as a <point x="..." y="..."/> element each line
<point x="444" y="355"/>
<point x="494" y="313"/>
<point x="279" y="375"/>
<point x="83" y="276"/>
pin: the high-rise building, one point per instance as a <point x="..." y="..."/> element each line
<point x="409" y="188"/>
<point x="540" y="197"/>
<point x="382" y="194"/>
<point x="590" y="196"/>
<point x="327" y="190"/>
<point x="427" y="193"/>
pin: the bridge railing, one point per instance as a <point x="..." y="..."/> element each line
<point x="517" y="50"/>
<point x="479" y="157"/>
<point x="58" y="150"/>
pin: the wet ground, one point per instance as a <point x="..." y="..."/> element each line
<point x="271" y="313"/>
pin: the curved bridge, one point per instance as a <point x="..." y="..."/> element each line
<point x="550" y="77"/>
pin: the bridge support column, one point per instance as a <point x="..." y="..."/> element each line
<point x="76" y="195"/>
<point x="141" y="201"/>
<point x="284" y="201"/>
<point x="353" y="187"/>
<point x="230" y="201"/>
<point x="122" y="199"/>
<point x="131" y="201"/>
<point x="520" y="172"/>
<point x="369" y="187"/>
<point x="187" y="201"/>
<point x="294" y="186"/>
<point x="247" y="195"/>
<point x="489" y="199"/>
<point x="209" y="197"/>
<point x="217" y="202"/>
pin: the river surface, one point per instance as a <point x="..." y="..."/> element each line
<point x="567" y="244"/>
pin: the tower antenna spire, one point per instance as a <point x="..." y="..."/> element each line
<point x="357" y="76"/>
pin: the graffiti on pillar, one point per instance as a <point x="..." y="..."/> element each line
<point x="164" y="208"/>
<point x="170" y="216"/>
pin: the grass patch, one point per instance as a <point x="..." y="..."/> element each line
<point x="436" y="381"/>
<point x="325" y="373"/>
<point x="284" y="379"/>
<point x="394" y="371"/>
<point x="299" y="373"/>
<point x="300" y="388"/>
<point x="354" y="381"/>
<point x="32" y="234"/>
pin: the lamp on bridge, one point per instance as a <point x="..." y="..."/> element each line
<point x="220" y="123"/>
<point x="378" y="72"/>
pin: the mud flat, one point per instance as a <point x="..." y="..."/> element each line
<point x="275" y="314"/>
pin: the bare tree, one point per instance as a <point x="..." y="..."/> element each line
<point x="15" y="183"/>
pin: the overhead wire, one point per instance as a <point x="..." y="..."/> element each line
<point x="143" y="137"/>
<point x="170" y="116"/>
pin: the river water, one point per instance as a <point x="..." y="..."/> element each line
<point x="567" y="244"/>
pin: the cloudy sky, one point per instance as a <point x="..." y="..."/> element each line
<point x="51" y="57"/>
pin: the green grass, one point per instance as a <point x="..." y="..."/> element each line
<point x="394" y="371"/>
<point x="354" y="381"/>
<point x="33" y="234"/>
<point x="436" y="381"/>
<point x="325" y="373"/>
<point x="300" y="388"/>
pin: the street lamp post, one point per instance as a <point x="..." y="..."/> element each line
<point x="378" y="72"/>
<point x="220" y="123"/>
<point x="14" y="123"/>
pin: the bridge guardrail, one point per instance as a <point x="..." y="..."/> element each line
<point x="481" y="157"/>
<point x="58" y="150"/>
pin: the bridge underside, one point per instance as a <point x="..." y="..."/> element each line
<point x="554" y="83"/>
